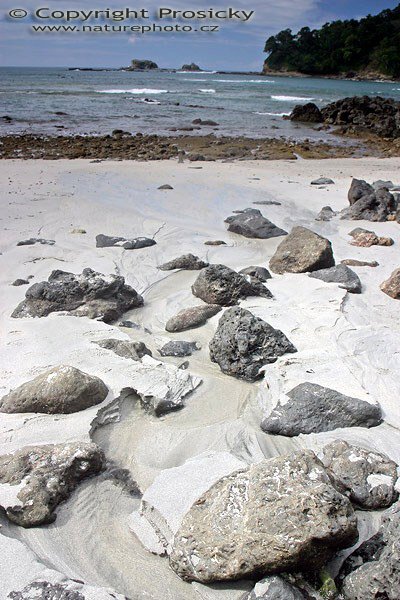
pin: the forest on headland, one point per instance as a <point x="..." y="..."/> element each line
<point x="369" y="46"/>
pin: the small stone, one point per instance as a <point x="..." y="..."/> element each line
<point x="33" y="241"/>
<point x="252" y="224"/>
<point x="189" y="262"/>
<point x="352" y="262"/>
<point x="124" y="348"/>
<point x="78" y="230"/>
<point x="166" y="186"/>
<point x="391" y="286"/>
<point x="341" y="274"/>
<point x="189" y="318"/>
<point x="19" y="282"/>
<point x="260" y="273"/>
<point x="179" y="348"/>
<point x="326" y="214"/>
<point x="215" y="243"/>
<point x="322" y="181"/>
<point x="275" y="588"/>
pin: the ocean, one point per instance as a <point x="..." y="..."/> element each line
<point x="97" y="102"/>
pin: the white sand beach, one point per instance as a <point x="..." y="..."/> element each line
<point x="349" y="342"/>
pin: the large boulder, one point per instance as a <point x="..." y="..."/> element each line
<point x="36" y="479"/>
<point x="302" y="251"/>
<point x="244" y="343"/>
<point x="124" y="348"/>
<point x="87" y="295"/>
<point x="367" y="203"/>
<point x="342" y="275"/>
<point x="391" y="286"/>
<point x="306" y="113"/>
<point x="61" y="390"/>
<point x="279" y="514"/>
<point x="189" y="262"/>
<point x="312" y="408"/>
<point x="189" y="318"/>
<point x="252" y="224"/>
<point x="218" y="284"/>
<point x="367" y="478"/>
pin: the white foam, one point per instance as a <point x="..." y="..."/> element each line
<point x="133" y="91"/>
<point x="271" y="114"/>
<point x="291" y="98"/>
<point x="208" y="91"/>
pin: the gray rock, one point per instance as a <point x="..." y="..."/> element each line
<point x="244" y="343"/>
<point x="87" y="295"/>
<point x="301" y="251"/>
<point x="312" y="408"/>
<point x="166" y="186"/>
<point x="368" y="203"/>
<point x="341" y="274"/>
<point x="391" y="287"/>
<point x="61" y="390"/>
<point x="124" y="348"/>
<point x="218" y="284"/>
<point x="189" y="318"/>
<point x="279" y="514"/>
<point x="307" y="113"/>
<point x="215" y="243"/>
<point x="268" y="202"/>
<point x="189" y="262"/>
<point x="67" y="589"/>
<point x="44" y="476"/>
<point x="380" y="184"/>
<point x="19" y="282"/>
<point x="137" y="243"/>
<point x="178" y="348"/>
<point x="325" y="214"/>
<point x="378" y="572"/>
<point x="106" y="241"/>
<point x="33" y="241"/>
<point x="322" y="181"/>
<point x="275" y="588"/>
<point x="367" y="478"/>
<point x="252" y="224"/>
<point x="260" y="273"/>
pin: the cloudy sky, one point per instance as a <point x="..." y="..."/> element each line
<point x="237" y="46"/>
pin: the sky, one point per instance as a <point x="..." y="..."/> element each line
<point x="236" y="46"/>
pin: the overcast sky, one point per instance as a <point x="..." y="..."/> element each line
<point x="238" y="46"/>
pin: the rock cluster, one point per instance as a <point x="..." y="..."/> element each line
<point x="364" y="238"/>
<point x="367" y="203"/>
<point x="301" y="251"/>
<point x="252" y="224"/>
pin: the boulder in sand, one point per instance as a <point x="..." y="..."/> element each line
<point x="306" y="113"/>
<point x="61" y="390"/>
<point x="312" y="408"/>
<point x="87" y="295"/>
<point x="189" y="318"/>
<point x="325" y="214"/>
<point x="252" y="224"/>
<point x="189" y="262"/>
<point x="342" y="275"/>
<point x="106" y="241"/>
<point x="260" y="273"/>
<point x="391" y="286"/>
<point x="367" y="478"/>
<point x="244" y="525"/>
<point x="124" y="348"/>
<point x="19" y="282"/>
<point x="244" y="343"/>
<point x="179" y="348"/>
<point x="215" y="243"/>
<point x="218" y="284"/>
<point x="301" y="251"/>
<point x="367" y="203"/>
<point x="36" y="479"/>
<point x="322" y="181"/>
<point x="365" y="239"/>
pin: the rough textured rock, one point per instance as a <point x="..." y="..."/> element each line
<point x="312" y="408"/>
<point x="364" y="238"/>
<point x="260" y="273"/>
<point x="179" y="348"/>
<point x="61" y="390"/>
<point x="87" y="295"/>
<point x="391" y="286"/>
<point x="252" y="224"/>
<point x="106" y="241"/>
<point x="353" y="262"/>
<point x="19" y="282"/>
<point x="341" y="274"/>
<point x="189" y="262"/>
<point x="161" y="387"/>
<point x="218" y="284"/>
<point x="322" y="181"/>
<point x="378" y="185"/>
<point x="301" y="251"/>
<point x="367" y="478"/>
<point x="368" y="203"/>
<point x="275" y="588"/>
<point x="307" y="113"/>
<point x="33" y="241"/>
<point x="243" y="526"/>
<point x="67" y="589"/>
<point x="325" y="214"/>
<point x="124" y="348"/>
<point x="377" y="564"/>
<point x="36" y="479"/>
<point x="189" y="318"/>
<point x="244" y="343"/>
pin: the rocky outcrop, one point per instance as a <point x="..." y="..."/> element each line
<point x="312" y="408"/>
<point x="342" y="275"/>
<point x="252" y="224"/>
<point x="301" y="251"/>
<point x="141" y="65"/>
<point x="367" y="203"/>
<point x="189" y="318"/>
<point x="243" y="525"/>
<point x="124" y="348"/>
<point x="306" y="113"/>
<point x="106" y="241"/>
<point x="260" y="273"/>
<point x="218" y="284"/>
<point x="87" y="295"/>
<point x="190" y="262"/>
<point x="363" y="238"/>
<point x="179" y="348"/>
<point x="391" y="286"/>
<point x="36" y="479"/>
<point x="191" y="67"/>
<point x="244" y="343"/>
<point x="367" y="478"/>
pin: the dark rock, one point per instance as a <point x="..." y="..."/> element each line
<point x="191" y="67"/>
<point x="341" y="274"/>
<point x="141" y="65"/>
<point x="207" y="122"/>
<point x="218" y="284"/>
<point x="259" y="273"/>
<point x="301" y="251"/>
<point x="326" y="214"/>
<point x="137" y="243"/>
<point x="87" y="295"/>
<point x="166" y="186"/>
<point x="322" y="181"/>
<point x="244" y="343"/>
<point x="126" y="349"/>
<point x="19" y="282"/>
<point x="61" y="390"/>
<point x="268" y="202"/>
<point x="48" y="475"/>
<point x="215" y="243"/>
<point x="279" y="514"/>
<point x="367" y="478"/>
<point x="367" y="203"/>
<point x="128" y="325"/>
<point x="179" y="348"/>
<point x="352" y="262"/>
<point x="312" y="408"/>
<point x="33" y="241"/>
<point x="251" y="223"/>
<point x="106" y="241"/>
<point x="307" y="113"/>
<point x="189" y="262"/>
<point x="378" y="185"/>
<point x="189" y="318"/>
<point x="391" y="286"/>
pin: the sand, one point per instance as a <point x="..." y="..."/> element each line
<point x="348" y="342"/>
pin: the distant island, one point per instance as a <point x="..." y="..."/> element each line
<point x="191" y="67"/>
<point x="368" y="48"/>
<point x="141" y="65"/>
